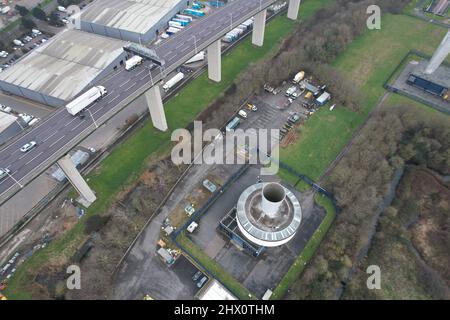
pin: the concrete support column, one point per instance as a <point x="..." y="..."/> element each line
<point x="215" y="61"/>
<point x="155" y="105"/>
<point x="440" y="55"/>
<point x="259" y="28"/>
<point x="77" y="180"/>
<point x="293" y="9"/>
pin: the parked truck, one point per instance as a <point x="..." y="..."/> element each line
<point x="172" y="82"/>
<point x="299" y="77"/>
<point x="133" y="62"/>
<point x="86" y="99"/>
<point x="18" y="43"/>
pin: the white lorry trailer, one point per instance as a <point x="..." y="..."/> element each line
<point x="86" y="99"/>
<point x="133" y="62"/>
<point x="172" y="82"/>
<point x="198" y="57"/>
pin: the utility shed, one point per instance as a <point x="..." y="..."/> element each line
<point x="215" y="291"/>
<point x="130" y="20"/>
<point x="63" y="67"/>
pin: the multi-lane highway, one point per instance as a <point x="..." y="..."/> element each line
<point x="60" y="132"/>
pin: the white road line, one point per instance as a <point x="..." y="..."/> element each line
<point x="68" y="123"/>
<point x="77" y="126"/>
<point x="130" y="87"/>
<point x="123" y="84"/>
<point x="56" y="142"/>
<point x="114" y="98"/>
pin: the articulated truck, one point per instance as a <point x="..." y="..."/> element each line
<point x="133" y="62"/>
<point x="172" y="82"/>
<point x="86" y="99"/>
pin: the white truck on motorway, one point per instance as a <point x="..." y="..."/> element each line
<point x="133" y="62"/>
<point x="172" y="82"/>
<point x="86" y="99"/>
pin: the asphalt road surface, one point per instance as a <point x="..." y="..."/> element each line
<point x="60" y="131"/>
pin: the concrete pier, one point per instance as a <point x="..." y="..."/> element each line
<point x="259" y="28"/>
<point x="293" y="9"/>
<point x="440" y="55"/>
<point x="77" y="180"/>
<point x="156" y="107"/>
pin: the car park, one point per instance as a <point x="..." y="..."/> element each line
<point x="27" y="147"/>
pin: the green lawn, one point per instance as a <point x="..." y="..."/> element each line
<point x="368" y="61"/>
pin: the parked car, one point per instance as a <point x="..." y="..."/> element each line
<point x="251" y="107"/>
<point x="4" y="172"/>
<point x="202" y="282"/>
<point x="197" y="276"/>
<point x="211" y="187"/>
<point x="28" y="146"/>
<point x="189" y="209"/>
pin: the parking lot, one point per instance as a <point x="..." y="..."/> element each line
<point x="33" y="41"/>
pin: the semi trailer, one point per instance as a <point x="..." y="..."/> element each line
<point x="133" y="62"/>
<point x="86" y="99"/>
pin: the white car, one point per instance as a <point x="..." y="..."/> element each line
<point x="4" y="172"/>
<point x="28" y="146"/>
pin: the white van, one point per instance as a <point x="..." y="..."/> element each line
<point x="4" y="172"/>
<point x="243" y="114"/>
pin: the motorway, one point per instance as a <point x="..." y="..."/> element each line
<point x="57" y="134"/>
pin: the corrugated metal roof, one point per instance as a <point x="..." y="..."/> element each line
<point x="65" y="65"/>
<point x="131" y="15"/>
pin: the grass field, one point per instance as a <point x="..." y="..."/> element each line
<point x="368" y="61"/>
<point x="302" y="260"/>
<point x="128" y="160"/>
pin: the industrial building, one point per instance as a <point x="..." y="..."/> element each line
<point x="63" y="67"/>
<point x="130" y="20"/>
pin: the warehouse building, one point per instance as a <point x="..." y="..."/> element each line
<point x="130" y="20"/>
<point x="59" y="70"/>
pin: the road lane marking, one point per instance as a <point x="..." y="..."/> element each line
<point x="49" y="137"/>
<point x="56" y="142"/>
